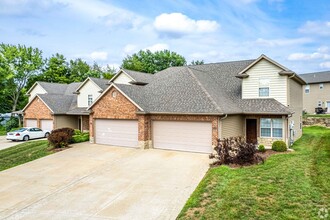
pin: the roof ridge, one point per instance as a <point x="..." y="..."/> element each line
<point x="203" y="89"/>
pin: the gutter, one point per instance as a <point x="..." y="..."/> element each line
<point x="178" y="113"/>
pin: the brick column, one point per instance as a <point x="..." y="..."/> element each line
<point x="144" y="128"/>
<point x="91" y="128"/>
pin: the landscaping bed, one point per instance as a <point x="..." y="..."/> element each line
<point x="293" y="185"/>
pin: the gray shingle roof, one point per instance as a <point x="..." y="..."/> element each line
<point x="317" y="77"/>
<point x="102" y="83"/>
<point x="201" y="89"/>
<point x="139" y="76"/>
<point x="58" y="103"/>
<point x="54" y="88"/>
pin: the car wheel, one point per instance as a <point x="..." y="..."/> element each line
<point x="25" y="138"/>
<point x="46" y="135"/>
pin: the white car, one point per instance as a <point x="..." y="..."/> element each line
<point x="25" y="134"/>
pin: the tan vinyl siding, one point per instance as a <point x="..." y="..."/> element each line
<point x="36" y="90"/>
<point x="232" y="126"/>
<point x="296" y="104"/>
<point x="267" y="70"/>
<point x="123" y="79"/>
<point x="315" y="95"/>
<point x="88" y="89"/>
<point x="70" y="121"/>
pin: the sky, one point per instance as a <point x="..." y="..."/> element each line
<point x="295" y="33"/>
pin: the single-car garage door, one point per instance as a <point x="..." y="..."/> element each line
<point x="46" y="124"/>
<point x="116" y="132"/>
<point x="183" y="136"/>
<point x="31" y="122"/>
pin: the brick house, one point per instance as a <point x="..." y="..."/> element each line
<point x="317" y="91"/>
<point x="56" y="105"/>
<point x="188" y="108"/>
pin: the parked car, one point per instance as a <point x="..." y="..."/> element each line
<point x="25" y="134"/>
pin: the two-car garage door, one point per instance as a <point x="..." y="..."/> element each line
<point x="116" y="132"/>
<point x="183" y="136"/>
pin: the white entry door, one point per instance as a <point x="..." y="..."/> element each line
<point x="116" y="132"/>
<point x="183" y="136"/>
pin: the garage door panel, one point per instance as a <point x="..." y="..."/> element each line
<point x="116" y="132"/>
<point x="31" y="123"/>
<point x="46" y="124"/>
<point x="184" y="136"/>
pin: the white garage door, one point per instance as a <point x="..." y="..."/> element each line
<point x="46" y="124"/>
<point x="183" y="136"/>
<point x="31" y="123"/>
<point x="116" y="132"/>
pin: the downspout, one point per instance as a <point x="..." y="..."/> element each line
<point x="291" y="133"/>
<point x="220" y="125"/>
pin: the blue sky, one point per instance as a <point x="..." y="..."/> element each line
<point x="294" y="33"/>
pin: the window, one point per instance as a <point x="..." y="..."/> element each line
<point x="319" y="103"/>
<point x="263" y="92"/>
<point x="90" y="99"/>
<point x="321" y="85"/>
<point x="114" y="94"/>
<point x="271" y="127"/>
<point x="263" y="87"/>
<point x="307" y="89"/>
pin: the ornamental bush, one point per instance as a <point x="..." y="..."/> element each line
<point x="82" y="137"/>
<point x="279" y="146"/>
<point x="61" y="137"/>
<point x="261" y="148"/>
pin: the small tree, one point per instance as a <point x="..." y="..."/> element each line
<point x="61" y="137"/>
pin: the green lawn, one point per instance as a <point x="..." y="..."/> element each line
<point x="317" y="116"/>
<point x="23" y="153"/>
<point x="287" y="186"/>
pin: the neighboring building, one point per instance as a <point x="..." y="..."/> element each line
<point x="317" y="91"/>
<point x="55" y="105"/>
<point x="188" y="108"/>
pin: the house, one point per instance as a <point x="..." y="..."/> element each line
<point x="188" y="108"/>
<point x="317" y="91"/>
<point x="55" y="105"/>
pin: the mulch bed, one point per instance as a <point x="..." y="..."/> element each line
<point x="55" y="150"/>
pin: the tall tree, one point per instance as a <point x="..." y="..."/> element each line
<point x="56" y="70"/>
<point x="79" y="70"/>
<point x="149" y="62"/>
<point x="17" y="65"/>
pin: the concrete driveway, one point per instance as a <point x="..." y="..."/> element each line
<point x="4" y="143"/>
<point x="101" y="182"/>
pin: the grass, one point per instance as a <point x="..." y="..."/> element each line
<point x="286" y="186"/>
<point x="23" y="153"/>
<point x="317" y="116"/>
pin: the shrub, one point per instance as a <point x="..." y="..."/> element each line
<point x="77" y="132"/>
<point x="11" y="123"/>
<point x="261" y="148"/>
<point x="235" y="150"/>
<point x="80" y="138"/>
<point x="279" y="146"/>
<point x="61" y="137"/>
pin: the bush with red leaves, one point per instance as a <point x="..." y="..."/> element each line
<point x="61" y="137"/>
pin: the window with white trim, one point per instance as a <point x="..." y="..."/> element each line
<point x="90" y="100"/>
<point x="263" y="87"/>
<point x="321" y="85"/>
<point x="307" y="89"/>
<point x="271" y="127"/>
<point x="319" y="103"/>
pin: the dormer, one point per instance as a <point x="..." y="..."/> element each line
<point x="35" y="89"/>
<point x="265" y="78"/>
<point x="89" y="91"/>
<point x="129" y="77"/>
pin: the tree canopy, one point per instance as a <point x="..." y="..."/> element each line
<point x="149" y="62"/>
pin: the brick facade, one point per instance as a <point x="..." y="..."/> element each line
<point x="37" y="110"/>
<point x="85" y="122"/>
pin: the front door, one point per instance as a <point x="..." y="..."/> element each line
<point x="251" y="131"/>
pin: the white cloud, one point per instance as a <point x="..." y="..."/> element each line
<point x="130" y="48"/>
<point x="306" y="56"/>
<point x="281" y="42"/>
<point x="321" y="28"/>
<point x="99" y="55"/>
<point x="177" y="24"/>
<point x="325" y="65"/>
<point x="157" y="47"/>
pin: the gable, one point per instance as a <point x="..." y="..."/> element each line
<point x="122" y="78"/>
<point x="113" y="104"/>
<point x="89" y="88"/>
<point x="37" y="109"/>
<point x="37" y="89"/>
<point x="265" y="69"/>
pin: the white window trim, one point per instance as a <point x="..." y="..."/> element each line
<point x="319" y="103"/>
<point x="307" y="88"/>
<point x="321" y="86"/>
<point x="264" y="88"/>
<point x="271" y="128"/>
<point x="88" y="99"/>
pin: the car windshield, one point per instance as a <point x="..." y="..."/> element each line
<point x="21" y="130"/>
